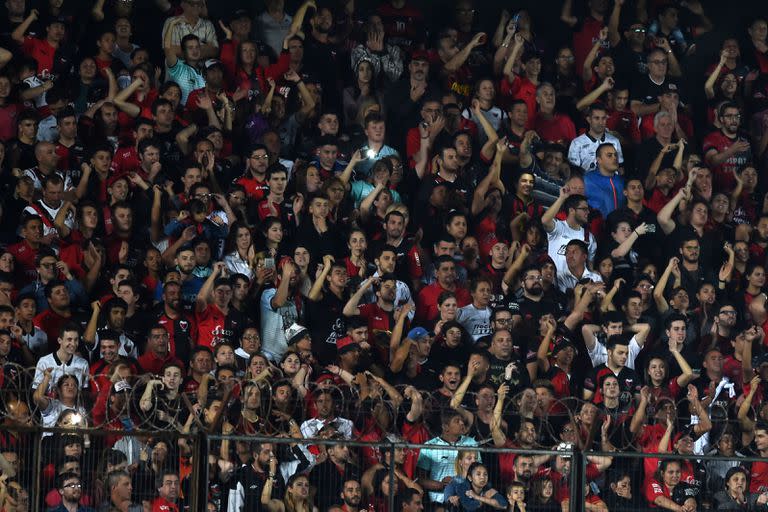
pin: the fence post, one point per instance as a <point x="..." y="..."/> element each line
<point x="37" y="496"/>
<point x="578" y="469"/>
<point x="392" y="486"/>
<point x="200" y="471"/>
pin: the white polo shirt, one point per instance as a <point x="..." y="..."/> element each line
<point x="581" y="153"/>
<point x="77" y="366"/>
<point x="560" y="236"/>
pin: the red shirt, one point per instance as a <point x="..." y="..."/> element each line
<point x="211" y="323"/>
<point x="25" y="256"/>
<point x="42" y="52"/>
<point x="732" y="369"/>
<point x="254" y="188"/>
<point x="624" y="122"/>
<point x="162" y="505"/>
<point x="647" y="131"/>
<point x="758" y="477"/>
<point x="378" y="321"/>
<point x="8" y="114"/>
<point x="584" y="39"/>
<point x="151" y="363"/>
<point x="654" y="489"/>
<point x="521" y="89"/>
<point x="352" y="269"/>
<point x="426" y="302"/>
<point x="52" y="324"/>
<point x="723" y="174"/>
<point x="126" y="160"/>
<point x="559" y="129"/>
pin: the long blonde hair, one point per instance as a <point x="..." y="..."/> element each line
<point x="459" y="456"/>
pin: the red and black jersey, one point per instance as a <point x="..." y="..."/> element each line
<point x="380" y="323"/>
<point x="404" y="27"/>
<point x="629" y="383"/>
<point x="723" y="174"/>
<point x="182" y="333"/>
<point x="214" y="327"/>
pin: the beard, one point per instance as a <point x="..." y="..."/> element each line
<point x="535" y="290"/>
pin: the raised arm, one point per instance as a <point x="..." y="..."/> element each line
<point x="461" y="57"/>
<point x="395" y="345"/>
<point x="499" y="438"/>
<point x="614" y="38"/>
<point x="171" y="58"/>
<point x="746" y="423"/>
<point x="350" y="308"/>
<point x="517" y="48"/>
<point x="705" y="423"/>
<point x="316" y="292"/>
<point x="548" y="219"/>
<point x="595" y="94"/>
<point x="638" y="419"/>
<point x="586" y="71"/>
<point x="18" y="33"/>
<point x="665" y="214"/>
<point x="687" y="376"/>
<point x="204" y="295"/>
<point x="709" y="85"/>
<point x="40" y="395"/>
<point x="543" y="351"/>
<point x="650" y="179"/>
<point x="493" y="177"/>
<point x="626" y="245"/>
<point x="487" y="150"/>
<point x="355" y="159"/>
<point x="658" y="291"/>
<point x="89" y="335"/>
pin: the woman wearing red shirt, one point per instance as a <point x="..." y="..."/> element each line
<point x="660" y="490"/>
<point x="247" y="75"/>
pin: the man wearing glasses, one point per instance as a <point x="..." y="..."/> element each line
<point x="71" y="490"/>
<point x="168" y="487"/>
<point x="726" y="151"/>
<point x="574" y="227"/>
<point x="645" y="93"/>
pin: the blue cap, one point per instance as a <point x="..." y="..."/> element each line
<point x="417" y="333"/>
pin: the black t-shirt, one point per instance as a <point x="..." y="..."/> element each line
<point x="326" y="324"/>
<point x="630" y="65"/>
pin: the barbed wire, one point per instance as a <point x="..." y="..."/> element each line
<point x="368" y="413"/>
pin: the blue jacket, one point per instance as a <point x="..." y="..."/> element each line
<point x="604" y="193"/>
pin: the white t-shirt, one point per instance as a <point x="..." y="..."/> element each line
<point x="599" y="354"/>
<point x="560" y="236"/>
<point x="583" y="148"/>
<point x="477" y="322"/>
<point x="77" y="366"/>
<point x="274" y="323"/>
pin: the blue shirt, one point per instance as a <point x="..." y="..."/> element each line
<point x="440" y="462"/>
<point x="363" y="168"/>
<point x="604" y="193"/>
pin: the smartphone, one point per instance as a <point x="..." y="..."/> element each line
<point x="269" y="262"/>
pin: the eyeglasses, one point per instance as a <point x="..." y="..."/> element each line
<point x="732" y="116"/>
<point x="645" y="286"/>
<point x="582" y="208"/>
<point x="73" y="486"/>
<point x="47" y="265"/>
<point x="660" y="62"/>
<point x="260" y="157"/>
<point x="639" y="30"/>
<point x="728" y="312"/>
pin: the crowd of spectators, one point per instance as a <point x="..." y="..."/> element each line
<point x="456" y="225"/>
